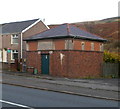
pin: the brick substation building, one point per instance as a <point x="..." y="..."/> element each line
<point x="65" y="51"/>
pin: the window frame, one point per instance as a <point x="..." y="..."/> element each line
<point x="27" y="46"/>
<point x="16" y="51"/>
<point x="101" y="47"/>
<point x="42" y="44"/>
<point x="12" y="38"/>
<point x="69" y="44"/>
<point x="92" y="46"/>
<point x="82" y="47"/>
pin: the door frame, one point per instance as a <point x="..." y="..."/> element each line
<point x="48" y="63"/>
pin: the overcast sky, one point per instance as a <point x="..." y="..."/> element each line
<point x="57" y="11"/>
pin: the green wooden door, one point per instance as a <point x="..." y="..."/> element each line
<point x="45" y="63"/>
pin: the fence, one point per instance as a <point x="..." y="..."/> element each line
<point x="110" y="70"/>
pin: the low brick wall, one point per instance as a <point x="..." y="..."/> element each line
<point x="33" y="61"/>
<point x="4" y="66"/>
<point x="72" y="64"/>
<point x="11" y="66"/>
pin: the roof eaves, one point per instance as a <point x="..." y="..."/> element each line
<point x="50" y="37"/>
<point x="11" y="33"/>
<point x="90" y="38"/>
<point x="75" y="37"/>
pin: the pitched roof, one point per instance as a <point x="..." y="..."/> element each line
<point x="63" y="31"/>
<point x="16" y="27"/>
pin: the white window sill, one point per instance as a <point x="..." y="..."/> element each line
<point x="14" y="44"/>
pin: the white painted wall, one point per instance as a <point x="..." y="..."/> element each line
<point x="4" y="56"/>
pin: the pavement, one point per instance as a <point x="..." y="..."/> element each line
<point x="97" y="88"/>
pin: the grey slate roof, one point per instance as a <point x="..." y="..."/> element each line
<point x="65" y="31"/>
<point x="16" y="27"/>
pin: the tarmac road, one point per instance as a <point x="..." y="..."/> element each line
<point x="15" y="96"/>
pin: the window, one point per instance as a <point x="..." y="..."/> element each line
<point x="27" y="47"/>
<point x="101" y="47"/>
<point x="92" y="46"/>
<point x="69" y="44"/>
<point x="14" y="39"/>
<point x="45" y="45"/>
<point x="83" y="45"/>
<point x="14" y="54"/>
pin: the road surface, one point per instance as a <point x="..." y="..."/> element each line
<point x="15" y="96"/>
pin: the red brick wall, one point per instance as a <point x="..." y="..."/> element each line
<point x="87" y="45"/>
<point x="11" y="67"/>
<point x="33" y="45"/>
<point x="97" y="46"/>
<point x="77" y="45"/>
<point x="75" y="64"/>
<point x="60" y="44"/>
<point x="33" y="60"/>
